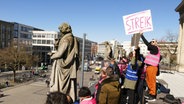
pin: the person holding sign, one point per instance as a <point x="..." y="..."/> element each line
<point x="152" y="60"/>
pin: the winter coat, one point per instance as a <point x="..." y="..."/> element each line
<point x="108" y="91"/>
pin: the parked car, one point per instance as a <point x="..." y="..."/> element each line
<point x="97" y="69"/>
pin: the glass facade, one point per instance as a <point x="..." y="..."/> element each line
<point x="6" y="34"/>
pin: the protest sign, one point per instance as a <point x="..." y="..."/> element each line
<point x="136" y="22"/>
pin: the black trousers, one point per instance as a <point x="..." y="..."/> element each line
<point x="127" y="96"/>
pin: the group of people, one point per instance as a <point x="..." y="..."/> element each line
<point x="126" y="85"/>
<point x="119" y="85"/>
<point x="115" y="86"/>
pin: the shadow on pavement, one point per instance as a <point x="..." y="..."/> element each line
<point x="163" y="71"/>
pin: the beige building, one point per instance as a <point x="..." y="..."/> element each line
<point x="168" y="52"/>
<point x="180" y="55"/>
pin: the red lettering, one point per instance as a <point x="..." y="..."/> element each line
<point x="148" y="21"/>
<point x="128" y="25"/>
<point x="136" y="22"/>
<point x="142" y="19"/>
<point x="132" y="20"/>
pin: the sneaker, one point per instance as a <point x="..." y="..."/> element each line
<point x="151" y="98"/>
<point x="122" y="87"/>
<point x="146" y="95"/>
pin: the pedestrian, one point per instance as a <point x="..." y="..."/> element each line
<point x="152" y="61"/>
<point x="122" y="64"/>
<point x="7" y="84"/>
<point x="109" y="89"/>
<point x="116" y="69"/>
<point x="85" y="96"/>
<point x="131" y="77"/>
<point x="102" y="76"/>
<point x="140" y="86"/>
<point x="47" y="82"/>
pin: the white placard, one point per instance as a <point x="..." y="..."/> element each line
<point x="136" y="22"/>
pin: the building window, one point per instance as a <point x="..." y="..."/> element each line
<point x="52" y="35"/>
<point x="52" y="42"/>
<point x="15" y="26"/>
<point x="43" y="35"/>
<point x="29" y="36"/>
<point x="34" y="41"/>
<point x="39" y="35"/>
<point x="43" y="41"/>
<point x="15" y="34"/>
<point x="39" y="42"/>
<point x="34" y="35"/>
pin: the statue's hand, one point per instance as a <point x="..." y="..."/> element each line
<point x="50" y="53"/>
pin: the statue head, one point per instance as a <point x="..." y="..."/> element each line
<point x="65" y="28"/>
<point x="106" y="43"/>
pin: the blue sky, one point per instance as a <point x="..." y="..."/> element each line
<point x="101" y="20"/>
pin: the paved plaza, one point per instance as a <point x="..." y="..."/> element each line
<point x="31" y="93"/>
<point x="175" y="81"/>
<point x="35" y="92"/>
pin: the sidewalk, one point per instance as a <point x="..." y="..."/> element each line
<point x="175" y="81"/>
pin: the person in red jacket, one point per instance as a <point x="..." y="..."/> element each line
<point x="152" y="60"/>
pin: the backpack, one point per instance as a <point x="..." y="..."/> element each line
<point x="171" y="99"/>
<point x="162" y="88"/>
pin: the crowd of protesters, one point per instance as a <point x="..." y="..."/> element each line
<point x="122" y="81"/>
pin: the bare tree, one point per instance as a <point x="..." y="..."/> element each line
<point x="171" y="45"/>
<point x="12" y="59"/>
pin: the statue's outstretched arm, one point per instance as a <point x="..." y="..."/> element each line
<point x="61" y="50"/>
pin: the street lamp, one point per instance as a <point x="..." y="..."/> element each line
<point x="82" y="68"/>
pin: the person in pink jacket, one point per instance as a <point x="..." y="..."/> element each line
<point x="85" y="96"/>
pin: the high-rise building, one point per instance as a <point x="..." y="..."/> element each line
<point x="6" y="33"/>
<point x="88" y="46"/>
<point x="23" y="36"/>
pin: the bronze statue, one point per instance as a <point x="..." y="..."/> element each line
<point x="65" y="65"/>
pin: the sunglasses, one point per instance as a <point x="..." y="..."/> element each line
<point x="153" y="41"/>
